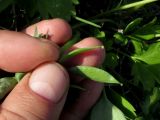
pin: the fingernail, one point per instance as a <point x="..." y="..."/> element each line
<point x="49" y="81"/>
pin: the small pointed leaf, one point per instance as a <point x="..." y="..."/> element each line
<point x="19" y="76"/>
<point x="87" y="22"/>
<point x="151" y="55"/>
<point x="105" y="110"/>
<point x="136" y="4"/>
<point x="76" y="52"/>
<point x="95" y="74"/>
<point x="132" y="25"/>
<point x="122" y="103"/>
<point x="73" y="40"/>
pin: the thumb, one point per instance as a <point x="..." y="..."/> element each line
<point x="39" y="96"/>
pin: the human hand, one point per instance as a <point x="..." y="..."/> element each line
<point x="41" y="94"/>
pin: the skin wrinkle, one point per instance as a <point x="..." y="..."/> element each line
<point x="35" y="116"/>
<point x="26" y="100"/>
<point x="5" y="111"/>
<point x="2" y="116"/>
<point x="31" y="99"/>
<point x="30" y="113"/>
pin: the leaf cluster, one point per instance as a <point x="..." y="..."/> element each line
<point x="130" y="32"/>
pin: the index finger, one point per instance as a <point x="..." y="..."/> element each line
<point x="58" y="30"/>
<point x="20" y="52"/>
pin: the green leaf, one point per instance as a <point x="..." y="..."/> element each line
<point x="95" y="74"/>
<point x="95" y="32"/>
<point x="146" y="74"/>
<point x="150" y="100"/>
<point x="151" y="55"/>
<point x="36" y="33"/>
<point x="119" y="4"/>
<point x="124" y="105"/>
<point x="151" y="23"/>
<point x="76" y="52"/>
<point x="19" y="76"/>
<point x="48" y="8"/>
<point x="55" y="8"/>
<point x="143" y="75"/>
<point x="105" y="110"/>
<point x="138" y="47"/>
<point x="6" y="85"/>
<point x="4" y="4"/>
<point x="132" y="25"/>
<point x="76" y="2"/>
<point x="87" y="22"/>
<point x="120" y="38"/>
<point x="70" y="43"/>
<point x="148" y="32"/>
<point x="135" y="4"/>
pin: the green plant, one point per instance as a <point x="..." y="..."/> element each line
<point x="130" y="32"/>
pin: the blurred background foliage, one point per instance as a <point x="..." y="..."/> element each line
<point x="130" y="31"/>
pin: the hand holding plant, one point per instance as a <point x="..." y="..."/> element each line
<point x="42" y="92"/>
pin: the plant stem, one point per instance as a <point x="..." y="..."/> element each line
<point x="95" y="21"/>
<point x="87" y="22"/>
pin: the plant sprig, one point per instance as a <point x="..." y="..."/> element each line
<point x="88" y="72"/>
